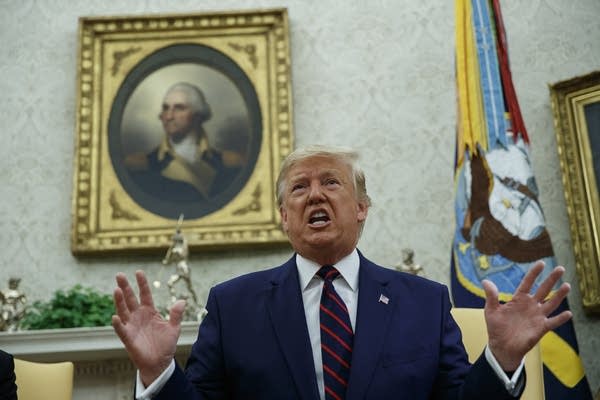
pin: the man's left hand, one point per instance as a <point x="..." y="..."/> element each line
<point x="515" y="327"/>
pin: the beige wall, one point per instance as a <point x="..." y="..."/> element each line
<point x="376" y="75"/>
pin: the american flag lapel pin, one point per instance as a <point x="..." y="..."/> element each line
<point x="383" y="299"/>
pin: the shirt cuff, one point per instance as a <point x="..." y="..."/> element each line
<point x="146" y="393"/>
<point x="514" y="385"/>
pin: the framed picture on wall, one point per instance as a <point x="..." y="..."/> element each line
<point x="576" y="107"/>
<point x="180" y="115"/>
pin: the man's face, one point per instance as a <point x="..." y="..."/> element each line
<point x="176" y="116"/>
<point x="320" y="211"/>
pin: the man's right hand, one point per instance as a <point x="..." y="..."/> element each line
<point x="149" y="339"/>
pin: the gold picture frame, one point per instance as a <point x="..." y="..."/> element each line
<point x="576" y="108"/>
<point x="126" y="65"/>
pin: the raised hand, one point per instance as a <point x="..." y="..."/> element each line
<point x="149" y="339"/>
<point x="515" y="327"/>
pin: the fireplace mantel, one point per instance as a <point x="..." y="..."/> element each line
<point x="78" y="344"/>
<point x="102" y="367"/>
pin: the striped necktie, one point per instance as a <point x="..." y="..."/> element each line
<point x="336" y="337"/>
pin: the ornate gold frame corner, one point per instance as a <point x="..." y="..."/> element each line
<point x="241" y="54"/>
<point x="576" y="108"/>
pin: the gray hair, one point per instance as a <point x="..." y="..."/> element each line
<point x="342" y="154"/>
<point x="196" y="99"/>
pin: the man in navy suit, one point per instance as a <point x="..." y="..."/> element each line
<point x="261" y="338"/>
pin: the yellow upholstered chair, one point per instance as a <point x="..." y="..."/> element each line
<point x="472" y="325"/>
<point x="37" y="381"/>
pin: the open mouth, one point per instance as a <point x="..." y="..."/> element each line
<point x="318" y="218"/>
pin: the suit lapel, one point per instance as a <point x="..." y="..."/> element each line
<point x="286" y="310"/>
<point x="372" y="320"/>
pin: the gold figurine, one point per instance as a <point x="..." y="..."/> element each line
<point x="177" y="254"/>
<point x="13" y="308"/>
<point x="408" y="264"/>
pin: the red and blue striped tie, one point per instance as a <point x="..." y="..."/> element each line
<point x="336" y="337"/>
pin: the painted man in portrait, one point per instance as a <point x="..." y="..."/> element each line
<point x="184" y="167"/>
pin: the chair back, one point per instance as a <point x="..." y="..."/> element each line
<point x="36" y="381"/>
<point x="474" y="331"/>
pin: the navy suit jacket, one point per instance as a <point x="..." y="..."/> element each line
<point x="8" y="388"/>
<point x="254" y="343"/>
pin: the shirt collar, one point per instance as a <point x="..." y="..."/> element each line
<point x="186" y="148"/>
<point x="348" y="267"/>
<point x="191" y="142"/>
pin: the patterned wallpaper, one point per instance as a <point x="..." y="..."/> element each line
<point x="374" y="75"/>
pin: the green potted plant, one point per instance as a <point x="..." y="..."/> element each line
<point x="74" y="308"/>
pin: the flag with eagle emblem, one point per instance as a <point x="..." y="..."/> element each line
<point x="500" y="227"/>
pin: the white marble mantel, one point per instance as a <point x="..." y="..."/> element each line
<point x="102" y="369"/>
<point x="77" y="344"/>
